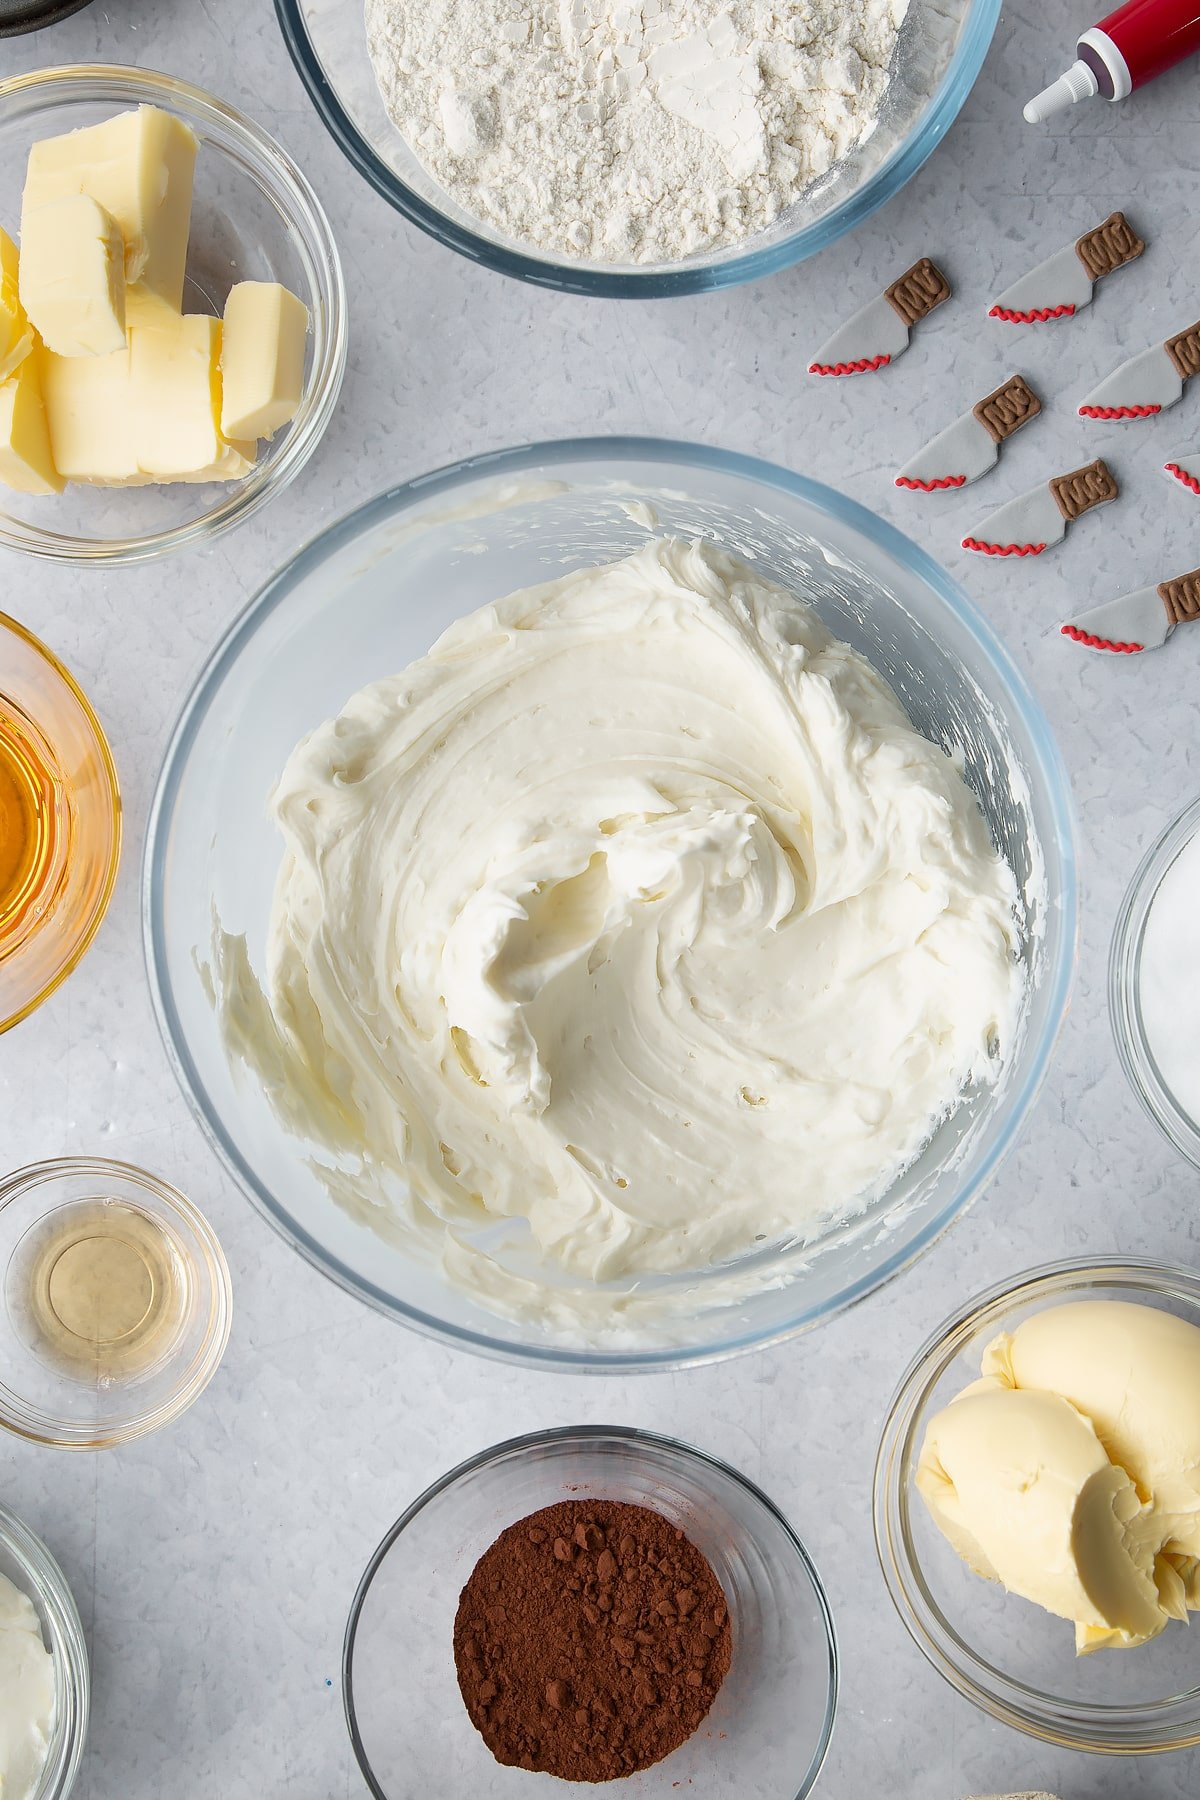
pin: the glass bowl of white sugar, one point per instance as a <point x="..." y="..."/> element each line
<point x="1154" y="983"/>
<point x="638" y="151"/>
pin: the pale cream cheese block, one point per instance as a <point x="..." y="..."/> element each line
<point x="1023" y="1489"/>
<point x="26" y="459"/>
<point x="637" y="913"/>
<point x="72" y="276"/>
<point x="139" y="166"/>
<point x="28" y="1697"/>
<point x="264" y="332"/>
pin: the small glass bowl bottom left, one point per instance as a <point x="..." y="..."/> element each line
<point x="27" y="1563"/>
<point x="115" y="1303"/>
<point x="769" y="1727"/>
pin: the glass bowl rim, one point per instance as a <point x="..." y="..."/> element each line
<point x="57" y="1434"/>
<point x="625" y="281"/>
<point x="503" y="463"/>
<point x="587" y="1435"/>
<point x="1098" y="1727"/>
<point x="1124" y="986"/>
<point x="73" y="1681"/>
<point x="109" y="772"/>
<point x="290" y="189"/>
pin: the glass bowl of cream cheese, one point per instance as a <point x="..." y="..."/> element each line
<point x="682" y="942"/>
<point x="45" y="1681"/>
<point x="1036" y="1503"/>
<point x="640" y="152"/>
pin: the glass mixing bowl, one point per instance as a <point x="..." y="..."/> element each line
<point x="1003" y="1653"/>
<point x="254" y="218"/>
<point x="770" y="1724"/>
<point x="369" y="595"/>
<point x="938" y="57"/>
<point x="27" y="1563"/>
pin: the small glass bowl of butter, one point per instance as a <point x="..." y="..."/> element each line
<point x="254" y="219"/>
<point x="1006" y="1654"/>
<point x="117" y="1303"/>
<point x="26" y="1563"/>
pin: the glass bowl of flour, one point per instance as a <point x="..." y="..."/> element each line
<point x="654" y="967"/>
<point x="638" y="150"/>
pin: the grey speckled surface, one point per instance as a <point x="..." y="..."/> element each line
<point x="214" y="1564"/>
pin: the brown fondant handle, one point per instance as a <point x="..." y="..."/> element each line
<point x="915" y="293"/>
<point x="1184" y="350"/>
<point x="1110" y="246"/>
<point x="1084" y="488"/>
<point x="1181" y="597"/>
<point x="1007" y="408"/>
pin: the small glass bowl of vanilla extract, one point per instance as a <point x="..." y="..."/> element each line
<point x="60" y="822"/>
<point x="116" y="1303"/>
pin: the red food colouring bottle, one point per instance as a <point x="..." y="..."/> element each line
<point x="1123" y="52"/>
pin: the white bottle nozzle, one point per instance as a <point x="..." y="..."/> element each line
<point x="1079" y="83"/>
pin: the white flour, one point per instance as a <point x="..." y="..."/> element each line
<point x="631" y="130"/>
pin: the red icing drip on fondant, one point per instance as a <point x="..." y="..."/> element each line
<point x="971" y="543"/>
<point x="1037" y="316"/>
<point x="1117" y="412"/>
<point x="862" y="366"/>
<point x="1189" y="481"/>
<point x="1099" y="643"/>
<point x="929" y="487"/>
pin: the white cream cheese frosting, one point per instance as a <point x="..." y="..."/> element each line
<point x="27" y="1695"/>
<point x="636" y="910"/>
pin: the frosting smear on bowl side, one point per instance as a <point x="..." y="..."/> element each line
<point x="28" y="1704"/>
<point x="636" y="910"/>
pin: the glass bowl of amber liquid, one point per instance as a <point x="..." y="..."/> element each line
<point x="60" y="823"/>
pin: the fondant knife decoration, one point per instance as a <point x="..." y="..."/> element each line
<point x="1140" y="621"/>
<point x="1065" y="282"/>
<point x="1148" y="382"/>
<point x="1183" y="466"/>
<point x="970" y="447"/>
<point x="1031" y="523"/>
<point x="879" y="333"/>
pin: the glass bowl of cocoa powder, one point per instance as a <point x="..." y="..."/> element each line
<point x="762" y="1727"/>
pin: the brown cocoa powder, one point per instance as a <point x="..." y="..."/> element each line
<point x="590" y="1640"/>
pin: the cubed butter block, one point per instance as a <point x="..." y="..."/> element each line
<point x="175" y="395"/>
<point x="16" y="335"/>
<point x="262" y="359"/>
<point x="92" y="422"/>
<point x="139" y="167"/>
<point x="234" y="462"/>
<point x="26" y="461"/>
<point x="72" y="280"/>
